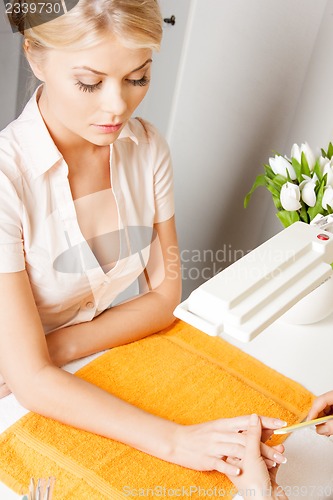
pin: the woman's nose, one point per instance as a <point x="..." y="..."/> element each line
<point x="114" y="101"/>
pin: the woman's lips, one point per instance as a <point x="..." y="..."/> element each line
<point x="108" y="128"/>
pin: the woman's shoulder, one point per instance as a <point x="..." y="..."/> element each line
<point x="26" y="147"/>
<point x="10" y="150"/>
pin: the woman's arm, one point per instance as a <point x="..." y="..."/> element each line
<point x="46" y="389"/>
<point x="42" y="387"/>
<point x="132" y="320"/>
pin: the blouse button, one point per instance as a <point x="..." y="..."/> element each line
<point x="90" y="305"/>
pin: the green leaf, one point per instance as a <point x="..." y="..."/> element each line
<point x="304" y="164"/>
<point x="272" y="189"/>
<point x="288" y="217"/>
<point x="277" y="202"/>
<point x="269" y="172"/>
<point x="279" y="180"/>
<point x="317" y="170"/>
<point x="303" y="214"/>
<point x="260" y="181"/>
<point x="298" y="169"/>
<point x="330" y="151"/>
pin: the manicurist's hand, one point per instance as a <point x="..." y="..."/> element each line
<point x="254" y="476"/>
<point x="206" y="446"/>
<point x="321" y="407"/>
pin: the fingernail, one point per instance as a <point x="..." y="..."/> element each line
<point x="280" y="458"/>
<point x="237" y="472"/>
<point x="274" y="464"/>
<point x="254" y="419"/>
<point x="280" y="423"/>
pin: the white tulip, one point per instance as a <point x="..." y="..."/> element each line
<point x="328" y="169"/>
<point x="289" y="196"/>
<point x="327" y="198"/>
<point x="296" y="152"/>
<point x="323" y="161"/>
<point x="280" y="166"/>
<point x="307" y="188"/>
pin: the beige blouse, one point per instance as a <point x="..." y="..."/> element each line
<point x="76" y="272"/>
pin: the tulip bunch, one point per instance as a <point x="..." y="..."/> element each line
<point x="301" y="186"/>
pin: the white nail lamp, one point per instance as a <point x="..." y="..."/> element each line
<point x="249" y="295"/>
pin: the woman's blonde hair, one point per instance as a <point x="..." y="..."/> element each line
<point x="137" y="23"/>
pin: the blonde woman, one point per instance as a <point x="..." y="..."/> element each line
<point x="86" y="207"/>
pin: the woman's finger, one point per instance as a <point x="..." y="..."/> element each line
<point x="239" y="424"/>
<point x="279" y="449"/>
<point x="230" y="437"/>
<point x="271" y="423"/>
<point x="320" y="405"/>
<point x="325" y="429"/>
<point x="272" y="454"/>
<point x="228" y="450"/>
<point x="226" y="468"/>
<point x="269" y="463"/>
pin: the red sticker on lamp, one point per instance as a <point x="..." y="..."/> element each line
<point x="323" y="237"/>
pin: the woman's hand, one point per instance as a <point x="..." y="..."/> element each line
<point x="255" y="479"/>
<point x="206" y="446"/>
<point x="321" y="407"/>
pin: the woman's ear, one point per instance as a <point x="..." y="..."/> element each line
<point x="35" y="65"/>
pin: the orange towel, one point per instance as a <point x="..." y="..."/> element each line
<point x="180" y="374"/>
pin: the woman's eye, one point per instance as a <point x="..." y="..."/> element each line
<point x="88" y="88"/>
<point x="140" y="83"/>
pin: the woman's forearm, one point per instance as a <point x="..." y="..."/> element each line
<point x="73" y="401"/>
<point x="120" y="325"/>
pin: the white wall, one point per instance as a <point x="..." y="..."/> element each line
<point x="157" y="105"/>
<point x="9" y="64"/>
<point x="242" y="70"/>
<point x="313" y="119"/>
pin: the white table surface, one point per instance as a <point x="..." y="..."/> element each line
<point x="303" y="353"/>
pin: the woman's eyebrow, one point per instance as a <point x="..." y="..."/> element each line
<point x="142" y="65"/>
<point x="104" y="74"/>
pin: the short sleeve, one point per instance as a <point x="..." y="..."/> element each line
<point x="11" y="242"/>
<point x="163" y="176"/>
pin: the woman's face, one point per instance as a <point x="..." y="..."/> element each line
<point x="91" y="93"/>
